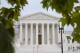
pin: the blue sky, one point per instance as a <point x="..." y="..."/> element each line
<point x="33" y="7"/>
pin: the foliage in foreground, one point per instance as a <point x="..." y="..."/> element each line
<point x="70" y="13"/>
<point x="7" y="18"/>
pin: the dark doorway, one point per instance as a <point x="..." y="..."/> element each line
<point x="39" y="39"/>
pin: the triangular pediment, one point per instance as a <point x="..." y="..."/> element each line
<point x="38" y="15"/>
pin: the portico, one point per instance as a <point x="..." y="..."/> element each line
<point x="37" y="33"/>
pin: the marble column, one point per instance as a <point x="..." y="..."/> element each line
<point x="53" y="33"/>
<point x="42" y="34"/>
<point x="48" y="40"/>
<point x="21" y="38"/>
<point x="36" y="34"/>
<point x="31" y="33"/>
<point x="56" y="33"/>
<point x="26" y="33"/>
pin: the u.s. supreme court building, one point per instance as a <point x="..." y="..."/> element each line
<point x="39" y="33"/>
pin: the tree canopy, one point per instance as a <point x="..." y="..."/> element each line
<point x="70" y="13"/>
<point x="7" y="18"/>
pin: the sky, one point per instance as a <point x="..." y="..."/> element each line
<point x="33" y="7"/>
<point x="36" y="6"/>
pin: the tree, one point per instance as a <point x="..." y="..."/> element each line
<point x="70" y="13"/>
<point x="7" y="18"/>
<point x="68" y="38"/>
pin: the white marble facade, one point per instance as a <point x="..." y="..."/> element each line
<point x="30" y="33"/>
<point x="38" y="26"/>
<point x="39" y="34"/>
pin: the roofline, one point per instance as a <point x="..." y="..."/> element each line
<point x="39" y="13"/>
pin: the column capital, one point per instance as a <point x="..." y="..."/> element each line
<point x="21" y="23"/>
<point x="48" y="24"/>
<point x="42" y="23"/>
<point x="26" y="23"/>
<point x="36" y="23"/>
<point x="31" y="23"/>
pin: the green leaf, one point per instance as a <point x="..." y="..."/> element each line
<point x="6" y="24"/>
<point x="16" y="16"/>
<point x="68" y="37"/>
<point x="76" y="17"/>
<point x="9" y="23"/>
<point x="77" y="8"/>
<point x="11" y="31"/>
<point x="70" y="16"/>
<point x="63" y="20"/>
<point x="6" y="45"/>
<point x="73" y="40"/>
